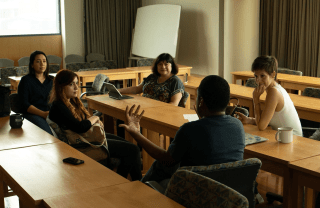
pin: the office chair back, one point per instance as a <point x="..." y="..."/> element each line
<point x="76" y="66"/>
<point x="311" y="92"/>
<point x="95" y="57"/>
<point x="251" y="82"/>
<point x="194" y="190"/>
<point x="184" y="99"/>
<point x="239" y="175"/>
<point x="53" y="59"/>
<point x="109" y="64"/>
<point x="289" y="71"/>
<point x="6" y="62"/>
<point x="74" y="58"/>
<point x="24" y="61"/>
<point x="145" y="62"/>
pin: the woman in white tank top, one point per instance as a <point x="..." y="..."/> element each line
<point x="279" y="110"/>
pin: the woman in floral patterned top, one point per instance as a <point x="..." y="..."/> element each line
<point x="162" y="84"/>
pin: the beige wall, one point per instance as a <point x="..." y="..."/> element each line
<point x="199" y="34"/>
<point x="72" y="27"/>
<point x="241" y="40"/>
<point x="199" y="40"/>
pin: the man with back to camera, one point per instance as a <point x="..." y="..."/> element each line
<point x="213" y="139"/>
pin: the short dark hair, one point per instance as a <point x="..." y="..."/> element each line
<point x="32" y="58"/>
<point x="215" y="92"/>
<point x="168" y="58"/>
<point x="267" y="63"/>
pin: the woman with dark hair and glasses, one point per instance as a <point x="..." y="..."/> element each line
<point x="34" y="89"/>
<point x="162" y="84"/>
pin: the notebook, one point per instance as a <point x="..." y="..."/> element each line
<point x="252" y="139"/>
<point x="114" y="93"/>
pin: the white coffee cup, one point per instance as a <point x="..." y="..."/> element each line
<point x="284" y="134"/>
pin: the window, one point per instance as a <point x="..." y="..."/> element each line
<point x="32" y="17"/>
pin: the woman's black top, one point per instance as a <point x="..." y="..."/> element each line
<point x="32" y="92"/>
<point x="62" y="116"/>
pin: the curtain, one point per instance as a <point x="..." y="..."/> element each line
<point x="290" y="31"/>
<point x="108" y="28"/>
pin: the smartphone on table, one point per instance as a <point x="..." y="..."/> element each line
<point x="73" y="161"/>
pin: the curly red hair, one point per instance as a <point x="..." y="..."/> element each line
<point x="62" y="79"/>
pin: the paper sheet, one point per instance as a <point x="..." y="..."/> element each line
<point x="191" y="117"/>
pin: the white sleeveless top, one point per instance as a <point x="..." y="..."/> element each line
<point x="287" y="116"/>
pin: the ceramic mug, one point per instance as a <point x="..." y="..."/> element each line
<point x="16" y="120"/>
<point x="284" y="134"/>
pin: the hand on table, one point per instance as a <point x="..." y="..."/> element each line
<point x="132" y="119"/>
<point x="243" y="118"/>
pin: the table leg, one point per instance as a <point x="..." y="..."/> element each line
<point x="125" y="83"/>
<point x="234" y="79"/>
<point x="296" y="192"/>
<point x="2" y="191"/>
<point x="310" y="198"/>
<point x="140" y="78"/>
<point x="108" y="124"/>
<point x="147" y="160"/>
<point x="287" y="188"/>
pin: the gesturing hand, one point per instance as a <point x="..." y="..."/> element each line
<point x="133" y="119"/>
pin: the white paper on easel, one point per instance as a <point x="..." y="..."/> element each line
<point x="191" y="117"/>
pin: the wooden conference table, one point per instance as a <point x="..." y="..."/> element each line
<point x="133" y="73"/>
<point x="155" y="119"/>
<point x="31" y="164"/>
<point x="167" y="119"/>
<point x="133" y="195"/>
<point x="287" y="81"/>
<point x="26" y="136"/>
<point x="37" y="172"/>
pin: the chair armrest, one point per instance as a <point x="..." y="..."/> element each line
<point x="156" y="186"/>
<point x="91" y="93"/>
<point x="309" y="128"/>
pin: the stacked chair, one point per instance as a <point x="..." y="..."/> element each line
<point x="95" y="57"/>
<point x="24" y="61"/>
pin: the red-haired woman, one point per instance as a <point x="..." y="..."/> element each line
<point x="69" y="113"/>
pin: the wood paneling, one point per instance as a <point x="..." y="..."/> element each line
<point x="16" y="47"/>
